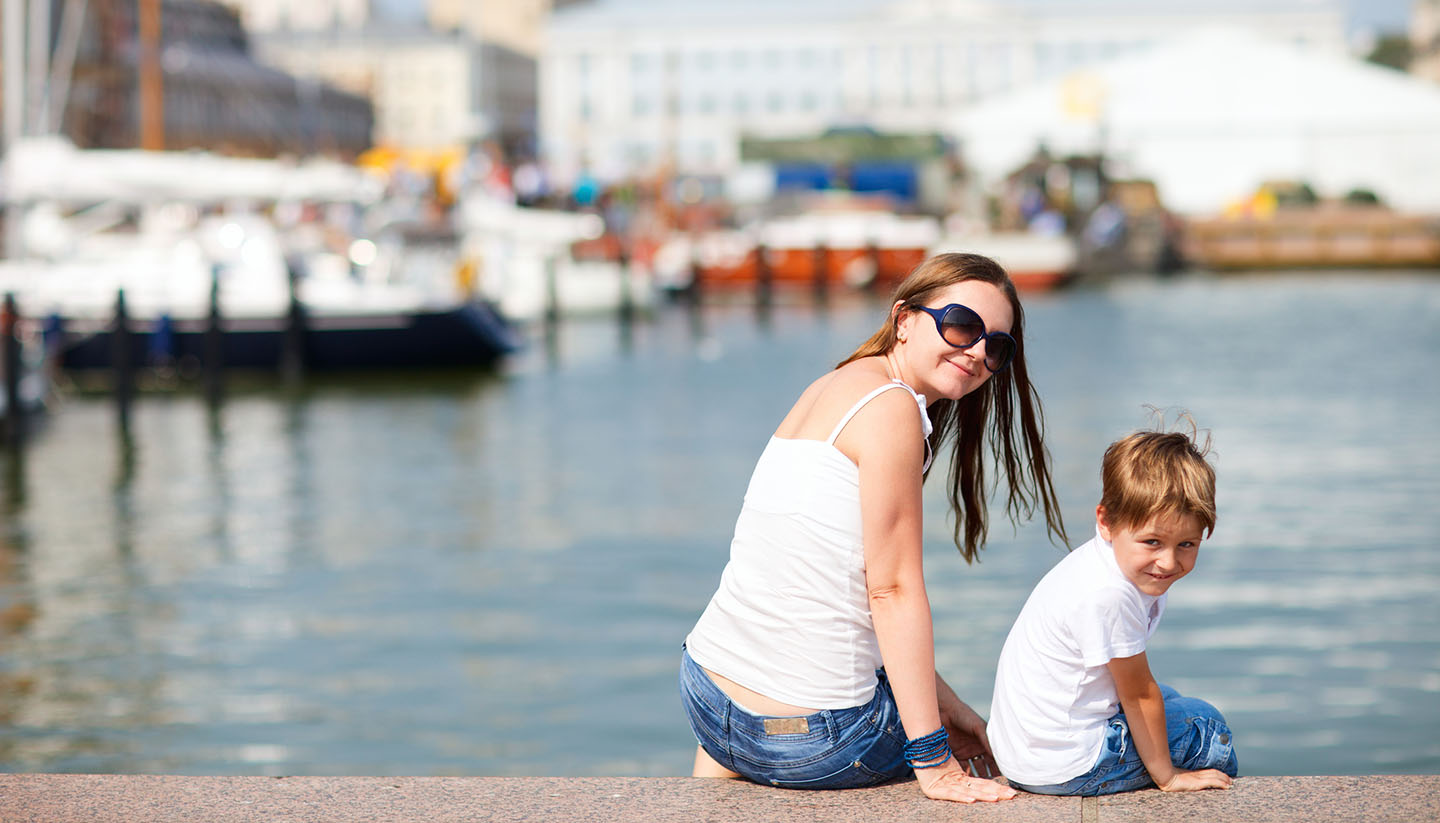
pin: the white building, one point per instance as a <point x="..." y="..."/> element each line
<point x="471" y="74"/>
<point x="515" y="24"/>
<point x="629" y="84"/>
<point x="310" y="15"/>
<point x="430" y="90"/>
<point x="1425" y="40"/>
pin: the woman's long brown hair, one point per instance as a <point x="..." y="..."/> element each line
<point x="1017" y="445"/>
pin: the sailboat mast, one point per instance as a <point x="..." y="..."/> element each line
<point x="14" y="70"/>
<point x="152" y="84"/>
<point x="37" y="117"/>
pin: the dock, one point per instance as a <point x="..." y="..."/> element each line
<point x="61" y="798"/>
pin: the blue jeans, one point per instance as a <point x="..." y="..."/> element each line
<point x="831" y="749"/>
<point x="1199" y="739"/>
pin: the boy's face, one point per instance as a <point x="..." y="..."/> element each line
<point x="1157" y="553"/>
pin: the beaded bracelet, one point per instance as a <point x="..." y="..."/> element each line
<point x="929" y="751"/>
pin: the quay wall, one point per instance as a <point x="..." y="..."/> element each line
<point x="61" y="798"/>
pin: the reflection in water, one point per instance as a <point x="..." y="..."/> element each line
<point x="491" y="574"/>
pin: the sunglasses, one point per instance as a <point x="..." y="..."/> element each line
<point x="962" y="328"/>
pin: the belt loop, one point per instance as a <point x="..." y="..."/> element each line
<point x="830" y="731"/>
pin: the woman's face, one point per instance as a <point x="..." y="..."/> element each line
<point x="937" y="369"/>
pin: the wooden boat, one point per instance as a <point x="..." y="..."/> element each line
<point x="1317" y="237"/>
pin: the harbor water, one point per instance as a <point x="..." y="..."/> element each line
<point x="491" y="574"/>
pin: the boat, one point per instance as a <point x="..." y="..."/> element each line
<point x="1318" y="237"/>
<point x="1035" y="261"/>
<point x="162" y="229"/>
<point x="525" y="262"/>
<point x="842" y="247"/>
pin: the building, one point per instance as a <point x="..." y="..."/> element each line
<point x="631" y="85"/>
<point x="1425" y="40"/>
<point x="430" y="89"/>
<point x="515" y="24"/>
<point x="468" y="73"/>
<point x="215" y="95"/>
<point x="262" y="16"/>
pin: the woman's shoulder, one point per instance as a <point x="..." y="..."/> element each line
<point x="835" y="393"/>
<point x="852" y="382"/>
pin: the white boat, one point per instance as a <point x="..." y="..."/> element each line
<point x="167" y="228"/>
<point x="1035" y="261"/>
<point x="524" y="264"/>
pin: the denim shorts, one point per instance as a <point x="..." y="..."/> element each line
<point x="830" y="749"/>
<point x="1199" y="739"/>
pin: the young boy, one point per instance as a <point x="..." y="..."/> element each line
<point x="1076" y="710"/>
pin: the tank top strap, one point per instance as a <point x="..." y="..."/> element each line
<point x="876" y="392"/>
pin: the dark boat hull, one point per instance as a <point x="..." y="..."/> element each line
<point x="469" y="335"/>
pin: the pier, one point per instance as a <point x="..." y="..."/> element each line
<point x="27" y="798"/>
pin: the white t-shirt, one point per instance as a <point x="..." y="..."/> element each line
<point x="1053" y="691"/>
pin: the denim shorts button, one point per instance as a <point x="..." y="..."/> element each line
<point x="1225" y="738"/>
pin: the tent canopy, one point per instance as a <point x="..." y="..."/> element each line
<point x="1213" y="115"/>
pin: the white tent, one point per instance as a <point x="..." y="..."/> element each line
<point x="1211" y="116"/>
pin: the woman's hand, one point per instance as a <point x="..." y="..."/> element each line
<point x="968" y="741"/>
<point x="950" y="782"/>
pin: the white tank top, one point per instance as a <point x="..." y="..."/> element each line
<point x="791" y="619"/>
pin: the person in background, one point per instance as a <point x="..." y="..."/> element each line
<point x="813" y="665"/>
<point x="1076" y="710"/>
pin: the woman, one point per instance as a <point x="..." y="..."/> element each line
<point x="814" y="664"/>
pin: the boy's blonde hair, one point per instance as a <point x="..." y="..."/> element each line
<point x="1158" y="473"/>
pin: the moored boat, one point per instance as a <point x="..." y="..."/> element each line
<point x="1036" y="262"/>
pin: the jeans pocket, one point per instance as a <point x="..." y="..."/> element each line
<point x="853" y="775"/>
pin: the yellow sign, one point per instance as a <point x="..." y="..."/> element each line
<point x="1082" y="96"/>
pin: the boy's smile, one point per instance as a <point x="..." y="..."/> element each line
<point x="1154" y="554"/>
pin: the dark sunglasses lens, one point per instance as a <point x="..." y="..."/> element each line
<point x="961" y="326"/>
<point x="998" y="352"/>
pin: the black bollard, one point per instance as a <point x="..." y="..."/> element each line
<point x="821" y="272"/>
<point x="695" y="292"/>
<point x="695" y="295"/>
<point x="627" y="300"/>
<point x="52" y="342"/>
<point x="551" y="313"/>
<point x="122" y="361"/>
<point x="213" y="348"/>
<point x="877" y="280"/>
<point x="292" y="352"/>
<point x="764" y="281"/>
<point x="10" y="361"/>
<point x="552" y="290"/>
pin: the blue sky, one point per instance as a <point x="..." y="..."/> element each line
<point x="1375" y="15"/>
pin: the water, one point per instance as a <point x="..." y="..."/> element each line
<point x="491" y="575"/>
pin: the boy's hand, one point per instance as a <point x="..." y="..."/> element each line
<point x="1184" y="781"/>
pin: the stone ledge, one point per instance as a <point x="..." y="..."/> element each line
<point x="59" y="798"/>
